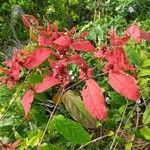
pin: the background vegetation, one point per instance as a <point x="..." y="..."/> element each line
<point x="128" y="124"/>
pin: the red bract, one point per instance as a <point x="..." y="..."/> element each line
<point x="102" y="53"/>
<point x="115" y="40"/>
<point x="37" y="57"/>
<point x="75" y="58"/>
<point x="124" y="84"/>
<point x="27" y="101"/>
<point x="94" y="100"/>
<point x="85" y="71"/>
<point x="60" y="71"/>
<point x="83" y="46"/>
<point x="47" y="83"/>
<point x="63" y="41"/>
<point x="117" y="61"/>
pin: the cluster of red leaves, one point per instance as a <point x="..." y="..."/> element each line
<point x="64" y="49"/>
<point x="11" y="146"/>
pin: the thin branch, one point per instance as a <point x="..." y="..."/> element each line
<point x="43" y="135"/>
<point x="111" y="147"/>
<point x="93" y="141"/>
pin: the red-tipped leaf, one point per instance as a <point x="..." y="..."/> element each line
<point x="94" y="100"/>
<point x="124" y="84"/>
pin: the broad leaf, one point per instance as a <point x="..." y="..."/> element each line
<point x="145" y="131"/>
<point x="146" y="63"/>
<point x="34" y="137"/>
<point x="47" y="83"/>
<point x="46" y="146"/>
<point x="115" y="40"/>
<point x="75" y="106"/>
<point x="83" y="46"/>
<point x="94" y="100"/>
<point x="37" y="57"/>
<point x="134" y="32"/>
<point x="124" y="84"/>
<point x="146" y="115"/>
<point x="27" y="101"/>
<point x="144" y="72"/>
<point x="63" y="41"/>
<point x="71" y="130"/>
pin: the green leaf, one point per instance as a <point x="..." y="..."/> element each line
<point x="70" y="130"/>
<point x="146" y="63"/>
<point x="46" y="146"/>
<point x="146" y="115"/>
<point x="35" y="78"/>
<point x="92" y="35"/>
<point x="116" y="100"/>
<point x="145" y="131"/>
<point x="75" y="106"/>
<point x="33" y="138"/>
<point x="144" y="72"/>
<point x="128" y="146"/>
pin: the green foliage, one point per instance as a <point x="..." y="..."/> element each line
<point x="75" y="106"/>
<point x="145" y="131"/>
<point x="70" y="130"/>
<point x="125" y="119"/>
<point x="146" y="115"/>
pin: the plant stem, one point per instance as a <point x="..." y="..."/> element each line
<point x="92" y="141"/>
<point x="43" y="135"/>
<point x="111" y="147"/>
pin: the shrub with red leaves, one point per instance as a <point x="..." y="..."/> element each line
<point x="60" y="49"/>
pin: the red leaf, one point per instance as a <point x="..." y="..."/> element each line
<point x="15" y="144"/>
<point x="83" y="46"/>
<point x="124" y="84"/>
<point x="134" y="32"/>
<point x="77" y="60"/>
<point x="117" y="41"/>
<point x="145" y="35"/>
<point x="63" y="41"/>
<point x="12" y="146"/>
<point x="102" y="53"/>
<point x="27" y="101"/>
<point x="47" y="83"/>
<point x="37" y="57"/>
<point x="27" y="19"/>
<point x="83" y="35"/>
<point x="94" y="100"/>
<point x="137" y="34"/>
<point x="71" y="32"/>
<point x="55" y="27"/>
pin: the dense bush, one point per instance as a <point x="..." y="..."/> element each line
<point x="62" y="117"/>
